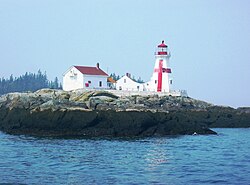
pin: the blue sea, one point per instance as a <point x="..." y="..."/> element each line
<point x="211" y="159"/>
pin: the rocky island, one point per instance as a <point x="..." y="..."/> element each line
<point x="48" y="112"/>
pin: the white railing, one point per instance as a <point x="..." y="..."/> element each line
<point x="141" y="93"/>
<point x="148" y="93"/>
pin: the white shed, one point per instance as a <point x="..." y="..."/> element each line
<point x="83" y="77"/>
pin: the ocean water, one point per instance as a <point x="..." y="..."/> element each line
<point x="211" y="159"/>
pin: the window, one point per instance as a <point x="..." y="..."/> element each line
<point x="73" y="77"/>
<point x="72" y="73"/>
<point x="100" y="83"/>
<point x="124" y="80"/>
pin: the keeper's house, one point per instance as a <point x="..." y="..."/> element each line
<point x="125" y="83"/>
<point x="83" y="77"/>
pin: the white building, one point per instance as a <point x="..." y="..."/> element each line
<point x="79" y="77"/>
<point x="160" y="80"/>
<point x="125" y="83"/>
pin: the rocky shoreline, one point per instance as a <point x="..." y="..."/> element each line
<point x="50" y="112"/>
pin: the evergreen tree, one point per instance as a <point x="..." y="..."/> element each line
<point x="55" y="84"/>
<point x="114" y="76"/>
<point x="27" y="82"/>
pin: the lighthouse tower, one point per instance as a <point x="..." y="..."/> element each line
<point x="160" y="80"/>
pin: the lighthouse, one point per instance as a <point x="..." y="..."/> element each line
<point x="161" y="80"/>
<point x="160" y="83"/>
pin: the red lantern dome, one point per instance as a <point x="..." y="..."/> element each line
<point x="162" y="45"/>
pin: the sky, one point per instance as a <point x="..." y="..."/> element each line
<point x="209" y="41"/>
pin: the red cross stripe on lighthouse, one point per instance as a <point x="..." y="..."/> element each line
<point x="161" y="70"/>
<point x="159" y="85"/>
<point x="164" y="70"/>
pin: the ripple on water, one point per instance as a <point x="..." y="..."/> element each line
<point x="221" y="159"/>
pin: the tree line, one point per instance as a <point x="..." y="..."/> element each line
<point x="28" y="82"/>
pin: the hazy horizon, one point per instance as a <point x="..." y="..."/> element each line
<point x="208" y="40"/>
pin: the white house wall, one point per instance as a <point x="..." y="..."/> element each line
<point x="72" y="79"/>
<point x="127" y="84"/>
<point x="150" y="86"/>
<point x="95" y="81"/>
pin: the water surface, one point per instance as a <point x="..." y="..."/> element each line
<point x="212" y="159"/>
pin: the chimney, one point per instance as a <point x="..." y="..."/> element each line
<point x="97" y="65"/>
<point x="128" y="75"/>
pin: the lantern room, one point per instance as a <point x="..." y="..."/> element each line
<point x="162" y="49"/>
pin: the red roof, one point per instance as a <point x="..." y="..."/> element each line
<point x="162" y="45"/>
<point x="91" y="70"/>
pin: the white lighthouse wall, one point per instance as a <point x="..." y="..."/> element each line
<point x="72" y="79"/>
<point x="165" y="77"/>
<point x="127" y="84"/>
<point x="153" y="83"/>
<point x="165" y="82"/>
